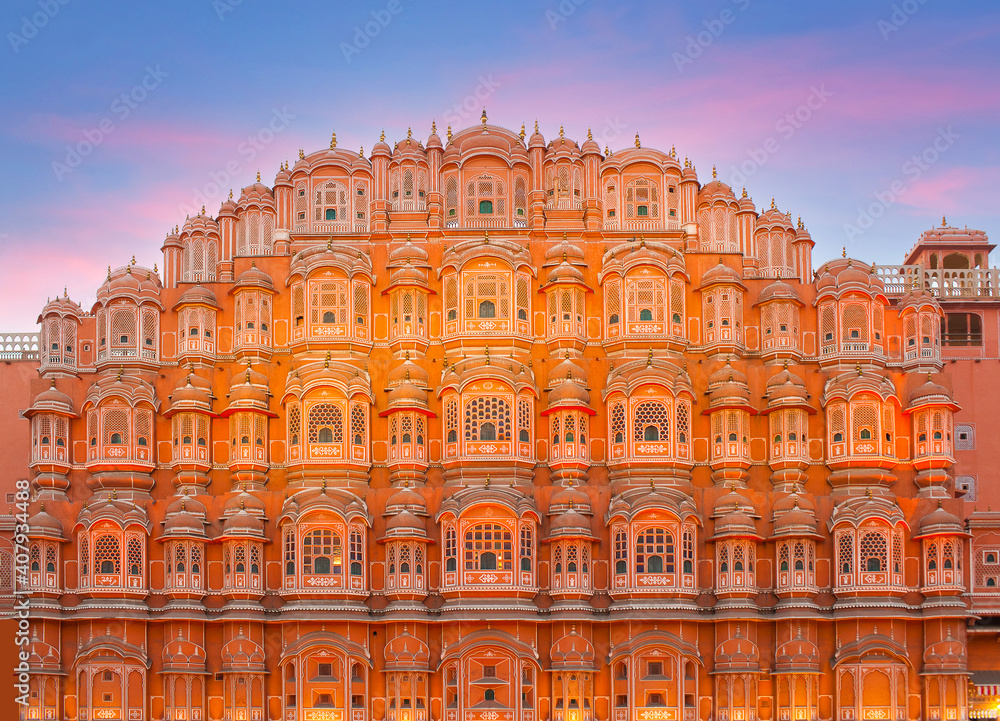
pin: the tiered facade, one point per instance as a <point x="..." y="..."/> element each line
<point x="495" y="429"/>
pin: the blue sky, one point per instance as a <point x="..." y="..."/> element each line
<point x="870" y="119"/>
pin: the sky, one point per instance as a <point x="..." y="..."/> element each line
<point x="870" y="119"/>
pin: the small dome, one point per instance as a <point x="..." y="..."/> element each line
<point x="716" y="191"/>
<point x="253" y="277"/>
<point x="184" y="524"/>
<point x="404" y="520"/>
<point x="406" y="395"/>
<point x="408" y="253"/>
<point x="243" y="524"/>
<point x="778" y="290"/>
<point x="785" y="389"/>
<point x="189" y="396"/>
<point x="52" y="400"/>
<point x="569" y="393"/>
<point x="940" y="523"/>
<point x="566" y="273"/>
<point x="562" y="252"/>
<point x="43" y="525"/>
<point x="244" y="501"/>
<point x="408" y="372"/>
<point x="727" y="374"/>
<point x="405" y="498"/>
<point x="729" y="394"/>
<point x="198" y="295"/>
<point x="844" y="273"/>
<point x="797" y="522"/>
<point x="569" y="497"/>
<point x="721" y="274"/>
<point x="569" y="523"/>
<point x="931" y="394"/>
<point x="567" y="369"/>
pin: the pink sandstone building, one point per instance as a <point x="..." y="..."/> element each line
<point x="493" y="428"/>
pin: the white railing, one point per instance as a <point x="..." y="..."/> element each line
<point x="942" y="282"/>
<point x="19" y="346"/>
<point x="409" y="205"/>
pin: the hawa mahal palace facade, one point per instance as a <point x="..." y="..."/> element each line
<point x="489" y="428"/>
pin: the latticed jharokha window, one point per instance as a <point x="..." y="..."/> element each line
<point x="642" y="199"/>
<point x="654" y="551"/>
<point x="489" y="547"/>
<point x="487" y="295"/>
<point x="326" y="423"/>
<point x="330" y="202"/>
<point x="485" y="195"/>
<point x="651" y="422"/>
<point x="107" y="555"/>
<point x="322" y="553"/>
<point x="487" y="419"/>
<point x="255" y="233"/>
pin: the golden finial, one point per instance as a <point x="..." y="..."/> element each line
<point x="744" y="192"/>
<point x="652" y="485"/>
<point x="333" y="141"/>
<point x="230" y="193"/>
<point x="944" y="222"/>
<point x="649" y="358"/>
<point x="562" y="133"/>
<point x="637" y="143"/>
<point x="715" y="175"/>
<point x="482" y="118"/>
<point x="772" y="203"/>
<point x="326" y="363"/>
<point x="687" y="162"/>
<point x="133" y="257"/>
<point x="361" y="152"/>
<point x="258" y="176"/>
<point x="843" y="253"/>
<point x="536" y="125"/>
<point x="487" y="485"/>
<point x="487" y="355"/>
<point x="121" y="370"/>
<point x="449" y="132"/>
<point x="329" y="243"/>
<point x="302" y="154"/>
<point x="607" y="153"/>
<point x="486" y="238"/>
<point x="857" y="367"/>
<point x="128" y="270"/>
<point x="590" y="135"/>
<point x="799" y="224"/>
<point x="521" y="134"/>
<point x="434" y="127"/>
<point x="673" y="151"/>
<point x="109" y="272"/>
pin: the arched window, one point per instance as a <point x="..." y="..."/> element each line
<point x="322" y="553"/>
<point x="489" y="546"/>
